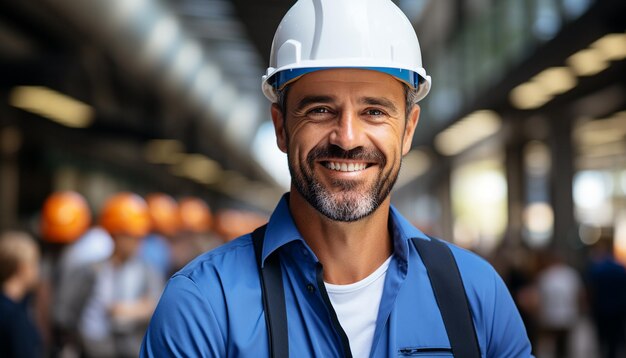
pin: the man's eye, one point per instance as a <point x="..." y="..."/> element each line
<point x="374" y="112"/>
<point x="321" y="110"/>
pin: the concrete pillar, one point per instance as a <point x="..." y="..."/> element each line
<point x="565" y="228"/>
<point x="10" y="142"/>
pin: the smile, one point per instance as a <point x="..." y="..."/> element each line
<point x="346" y="167"/>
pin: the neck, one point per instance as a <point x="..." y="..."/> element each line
<point x="349" y="251"/>
<point x="14" y="290"/>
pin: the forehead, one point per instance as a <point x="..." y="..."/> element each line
<point x="348" y="82"/>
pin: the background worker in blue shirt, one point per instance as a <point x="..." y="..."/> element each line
<point x="344" y="80"/>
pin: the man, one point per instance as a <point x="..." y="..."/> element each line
<point x="67" y="243"/>
<point x="107" y="304"/>
<point x="607" y="288"/>
<point x="344" y="79"/>
<point x="560" y="290"/>
<point x="19" y="274"/>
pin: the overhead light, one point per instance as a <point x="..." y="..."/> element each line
<point x="187" y="58"/>
<point x="529" y="95"/>
<point x="198" y="168"/>
<point x="602" y="131"/>
<point x="539" y="222"/>
<point x="556" y="80"/>
<point x="599" y="137"/>
<point x="241" y="123"/>
<point x="163" y="34"/>
<point x="467" y="132"/>
<point x="205" y="82"/>
<point x="589" y="234"/>
<point x="223" y="100"/>
<point x="164" y="151"/>
<point x="602" y="151"/>
<point x="543" y="87"/>
<point x="53" y="105"/>
<point x="613" y="46"/>
<point x="588" y="62"/>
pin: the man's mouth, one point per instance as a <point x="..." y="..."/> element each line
<point x="346" y="167"/>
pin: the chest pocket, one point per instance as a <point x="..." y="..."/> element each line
<point x="424" y="352"/>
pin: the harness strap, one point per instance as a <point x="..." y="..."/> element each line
<point x="273" y="297"/>
<point x="445" y="279"/>
<point x="444" y="276"/>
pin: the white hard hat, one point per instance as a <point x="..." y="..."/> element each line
<point x="323" y="34"/>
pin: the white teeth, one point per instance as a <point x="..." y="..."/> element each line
<point x="343" y="167"/>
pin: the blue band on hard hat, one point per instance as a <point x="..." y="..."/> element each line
<point x="281" y="78"/>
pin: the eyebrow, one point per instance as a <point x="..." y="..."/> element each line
<point x="379" y="101"/>
<point x="314" y="99"/>
<point x="371" y="101"/>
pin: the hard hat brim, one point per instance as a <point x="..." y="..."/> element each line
<point x="280" y="79"/>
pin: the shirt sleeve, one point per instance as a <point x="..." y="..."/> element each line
<point x="508" y="334"/>
<point x="184" y="324"/>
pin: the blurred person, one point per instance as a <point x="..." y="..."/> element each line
<point x="607" y="291"/>
<point x="518" y="267"/>
<point x="338" y="271"/>
<point x="106" y="306"/>
<point x="196" y="231"/>
<point x="19" y="275"/>
<point x="67" y="242"/>
<point x="560" y="291"/>
<point x="93" y="246"/>
<point x="156" y="248"/>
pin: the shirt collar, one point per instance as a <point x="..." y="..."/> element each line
<point x="402" y="231"/>
<point x="282" y="230"/>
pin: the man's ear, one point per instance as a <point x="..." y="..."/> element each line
<point x="409" y="130"/>
<point x="279" y="127"/>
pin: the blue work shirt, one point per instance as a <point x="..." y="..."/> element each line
<point x="213" y="306"/>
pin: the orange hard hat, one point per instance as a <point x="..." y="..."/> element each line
<point x="195" y="215"/>
<point x="65" y="217"/>
<point x="163" y="211"/>
<point x="126" y="214"/>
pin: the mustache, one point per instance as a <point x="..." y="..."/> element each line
<point x="332" y="151"/>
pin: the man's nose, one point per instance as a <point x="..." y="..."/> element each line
<point x="348" y="131"/>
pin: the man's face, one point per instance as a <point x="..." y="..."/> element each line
<point x="344" y="132"/>
<point x="126" y="246"/>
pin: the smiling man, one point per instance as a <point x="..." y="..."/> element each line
<point x="338" y="271"/>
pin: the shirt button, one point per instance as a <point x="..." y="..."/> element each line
<point x="305" y="252"/>
<point x="310" y="288"/>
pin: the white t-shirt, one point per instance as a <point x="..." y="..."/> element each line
<point x="357" y="306"/>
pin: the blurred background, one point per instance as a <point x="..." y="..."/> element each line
<point x="520" y="153"/>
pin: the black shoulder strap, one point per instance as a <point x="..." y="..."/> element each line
<point x="445" y="279"/>
<point x="273" y="297"/>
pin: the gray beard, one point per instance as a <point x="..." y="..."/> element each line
<point x="352" y="203"/>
